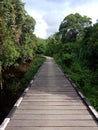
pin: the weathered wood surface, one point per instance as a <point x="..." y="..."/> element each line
<point x="52" y="104"/>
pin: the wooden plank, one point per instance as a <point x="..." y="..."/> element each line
<point x="68" y="107"/>
<point x="53" y="92"/>
<point x="57" y="97"/>
<point x="52" y="128"/>
<point x="66" y="97"/>
<point x="30" y="111"/>
<point x="51" y="123"/>
<point x="29" y="100"/>
<point x="64" y="112"/>
<point x="52" y="117"/>
<point x="47" y="107"/>
<point x="51" y="112"/>
<point x="54" y="101"/>
<point x="47" y="103"/>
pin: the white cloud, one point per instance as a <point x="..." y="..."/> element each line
<point x="89" y="10"/>
<point x="49" y="13"/>
<point x="53" y="20"/>
<point x="40" y="28"/>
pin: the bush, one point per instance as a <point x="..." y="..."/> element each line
<point x="9" y="55"/>
<point x="67" y="59"/>
<point x="37" y="62"/>
<point x="25" y="52"/>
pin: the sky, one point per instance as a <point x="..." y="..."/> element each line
<point x="49" y="14"/>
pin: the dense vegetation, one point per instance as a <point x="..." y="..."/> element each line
<point x="18" y="50"/>
<point x="75" y="48"/>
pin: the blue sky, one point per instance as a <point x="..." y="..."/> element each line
<point x="49" y="13"/>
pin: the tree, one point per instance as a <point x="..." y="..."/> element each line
<point x="27" y="38"/>
<point x="51" y="45"/>
<point x="40" y="46"/>
<point x="72" y="26"/>
<point x="16" y="34"/>
<point x="27" y="29"/>
<point x="89" y="45"/>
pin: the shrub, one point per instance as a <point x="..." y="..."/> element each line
<point x="67" y="59"/>
<point x="9" y="55"/>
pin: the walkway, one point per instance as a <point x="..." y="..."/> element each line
<point x="52" y="104"/>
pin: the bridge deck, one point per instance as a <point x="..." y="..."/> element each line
<point x="52" y="104"/>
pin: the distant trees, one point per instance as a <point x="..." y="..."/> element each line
<point x="53" y="43"/>
<point x="72" y="26"/>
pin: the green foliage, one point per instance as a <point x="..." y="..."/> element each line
<point x="52" y="42"/>
<point x="29" y="24"/>
<point x="66" y="54"/>
<point x="72" y="26"/>
<point x="67" y="59"/>
<point x="25" y="52"/>
<point x="37" y="62"/>
<point x="90" y="46"/>
<point x="40" y="47"/>
<point x="16" y="32"/>
<point x="9" y="55"/>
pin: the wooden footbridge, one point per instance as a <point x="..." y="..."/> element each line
<point x="52" y="103"/>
